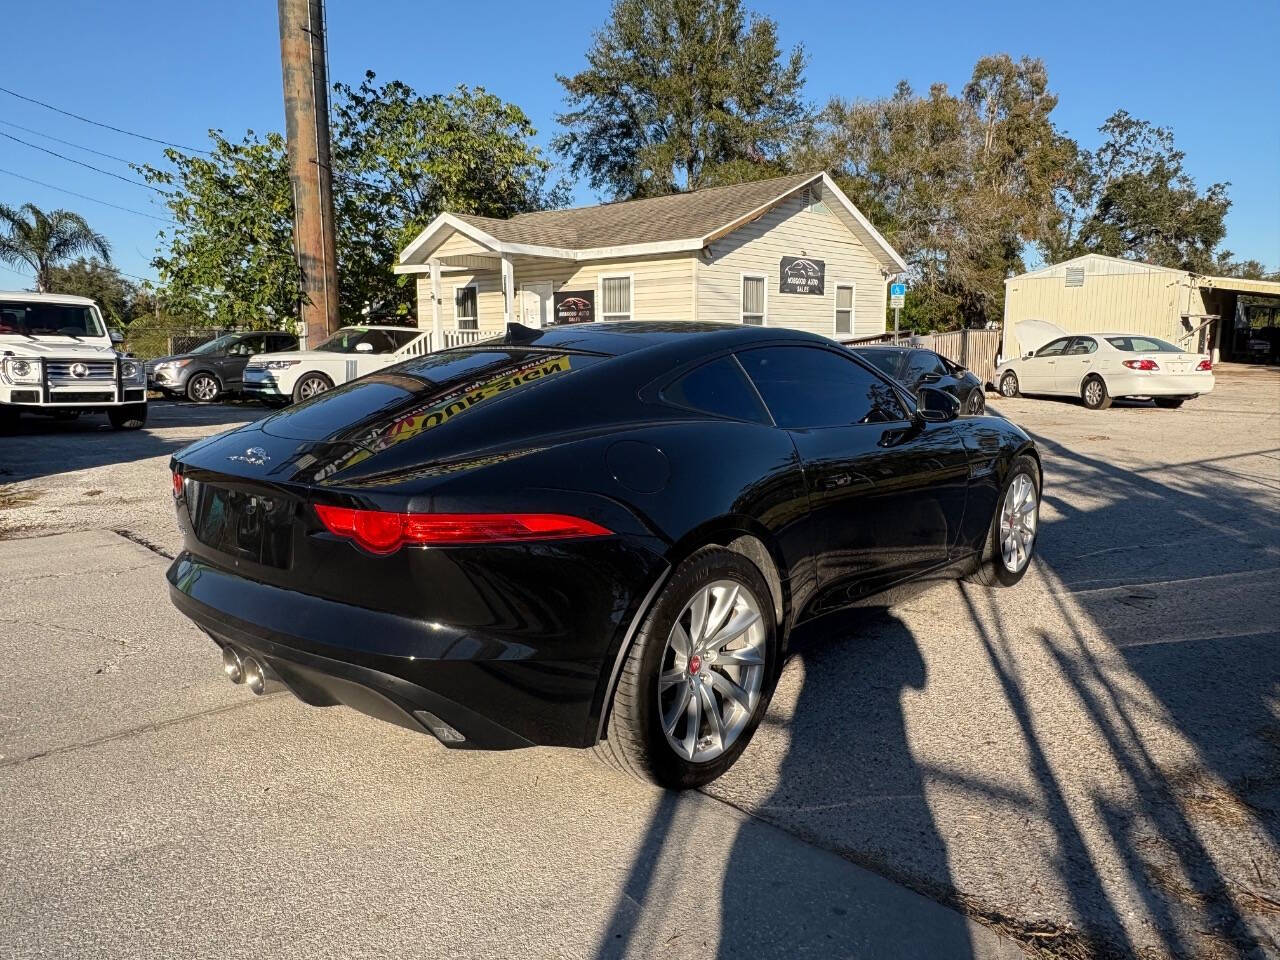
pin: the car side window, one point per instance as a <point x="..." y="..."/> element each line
<point x="886" y="361"/>
<point x="280" y="342"/>
<point x="806" y="387"/>
<point x="251" y="345"/>
<point x="720" y="388"/>
<point x="921" y="364"/>
<point x="1054" y="348"/>
<point x="1082" y="345"/>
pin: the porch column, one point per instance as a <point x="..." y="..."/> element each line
<point x="508" y="289"/>
<point x="437" y="331"/>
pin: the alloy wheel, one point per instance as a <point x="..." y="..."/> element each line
<point x="1093" y="392"/>
<point x="1018" y="523"/>
<point x="712" y="671"/>
<point x="311" y="387"/>
<point x="204" y="388"/>
<point x="1009" y="385"/>
<point x="977" y="403"/>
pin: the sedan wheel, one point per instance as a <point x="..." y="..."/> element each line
<point x="1018" y="517"/>
<point x="1009" y="385"/>
<point x="712" y="671"/>
<point x="203" y="388"/>
<point x="698" y="676"/>
<point x="977" y="404"/>
<point x="1094" y="394"/>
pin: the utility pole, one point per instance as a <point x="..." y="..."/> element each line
<point x="306" y="116"/>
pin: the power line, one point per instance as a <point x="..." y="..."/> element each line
<point x="69" y="143"/>
<point x="85" y="196"/>
<point x="98" y="123"/>
<point x="90" y="166"/>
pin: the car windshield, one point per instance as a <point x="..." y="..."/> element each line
<point x="216" y="346"/>
<point x="886" y="361"/>
<point x="1143" y="345"/>
<point x="348" y="339"/>
<point x="49" y="320"/>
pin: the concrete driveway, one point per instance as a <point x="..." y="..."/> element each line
<point x="1086" y="765"/>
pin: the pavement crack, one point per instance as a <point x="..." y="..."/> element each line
<point x="142" y="541"/>
<point x="135" y="731"/>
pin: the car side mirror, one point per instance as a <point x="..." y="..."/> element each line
<point x="1028" y="354"/>
<point x="935" y="405"/>
<point x="116" y="336"/>
<point x="365" y="347"/>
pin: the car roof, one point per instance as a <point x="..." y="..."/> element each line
<point x="629" y="336"/>
<point x="28" y="297"/>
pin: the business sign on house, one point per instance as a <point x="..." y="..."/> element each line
<point x="573" y="306"/>
<point x="801" y="275"/>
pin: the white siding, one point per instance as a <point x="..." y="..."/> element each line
<point x="791" y="230"/>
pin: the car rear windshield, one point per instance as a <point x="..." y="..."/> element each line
<point x="348" y="340"/>
<point x="49" y="320"/>
<point x="1143" y="345"/>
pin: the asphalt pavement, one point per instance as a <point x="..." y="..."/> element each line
<point x="1084" y="765"/>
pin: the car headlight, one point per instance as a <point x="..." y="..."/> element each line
<point x="280" y="364"/>
<point x="132" y="370"/>
<point x="22" y="370"/>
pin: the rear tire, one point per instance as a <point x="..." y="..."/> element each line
<point x="311" y="385"/>
<point x="993" y="570"/>
<point x="1094" y="393"/>
<point x="1170" y="403"/>
<point x="203" y="388"/>
<point x="1009" y="385"/>
<point x="636" y="741"/>
<point x="131" y="417"/>
<point x="977" y="404"/>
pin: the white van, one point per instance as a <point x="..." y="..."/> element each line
<point x="57" y="358"/>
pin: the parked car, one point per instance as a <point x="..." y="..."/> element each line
<point x="1101" y="367"/>
<point x="214" y="368"/>
<point x="916" y="368"/>
<point x="352" y="352"/>
<point x="587" y="535"/>
<point x="57" y="358"/>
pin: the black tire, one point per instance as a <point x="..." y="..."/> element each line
<point x="634" y="740"/>
<point x="1170" y="403"/>
<point x="130" y="417"/>
<point x="976" y="405"/>
<point x="203" y="388"/>
<point x="317" y="382"/>
<point x="991" y="570"/>
<point x="1099" y="399"/>
<point x="1009" y="385"/>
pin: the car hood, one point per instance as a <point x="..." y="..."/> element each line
<point x="1034" y="334"/>
<point x="62" y="348"/>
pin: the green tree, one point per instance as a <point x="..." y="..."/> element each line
<point x="681" y="94"/>
<point x="230" y="258"/>
<point x="101" y="282"/>
<point x="1132" y="197"/>
<point x="45" y="240"/>
<point x="960" y="185"/>
<point x="401" y="158"/>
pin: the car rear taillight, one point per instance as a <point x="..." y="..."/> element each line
<point x="1204" y="365"/>
<point x="1141" y="364"/>
<point x="177" y="485"/>
<point x="379" y="531"/>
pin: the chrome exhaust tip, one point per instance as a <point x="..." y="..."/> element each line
<point x="232" y="665"/>
<point x="255" y="676"/>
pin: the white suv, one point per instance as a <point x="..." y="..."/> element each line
<point x="56" y="357"/>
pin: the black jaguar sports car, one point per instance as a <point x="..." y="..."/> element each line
<point x="590" y="535"/>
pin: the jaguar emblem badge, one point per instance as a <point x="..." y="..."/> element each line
<point x="79" y="370"/>
<point x="255" y="455"/>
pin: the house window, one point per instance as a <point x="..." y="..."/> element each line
<point x="844" y="308"/>
<point x="465" y="310"/>
<point x="615" y="298"/>
<point x="753" y="300"/>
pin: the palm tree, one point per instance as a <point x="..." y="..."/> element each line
<point x="45" y="240"/>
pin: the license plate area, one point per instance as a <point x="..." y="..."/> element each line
<point x="248" y="526"/>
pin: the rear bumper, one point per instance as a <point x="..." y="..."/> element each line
<point x="1159" y="384"/>
<point x="467" y="689"/>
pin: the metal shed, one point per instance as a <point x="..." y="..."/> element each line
<point x="1221" y="315"/>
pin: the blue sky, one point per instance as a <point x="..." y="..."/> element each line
<point x="172" y="70"/>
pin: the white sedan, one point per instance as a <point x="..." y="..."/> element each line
<point x="352" y="352"/>
<point x="1101" y="367"/>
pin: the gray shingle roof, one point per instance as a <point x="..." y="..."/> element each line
<point x="679" y="216"/>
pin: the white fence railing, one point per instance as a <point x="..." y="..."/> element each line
<point x="457" y="338"/>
